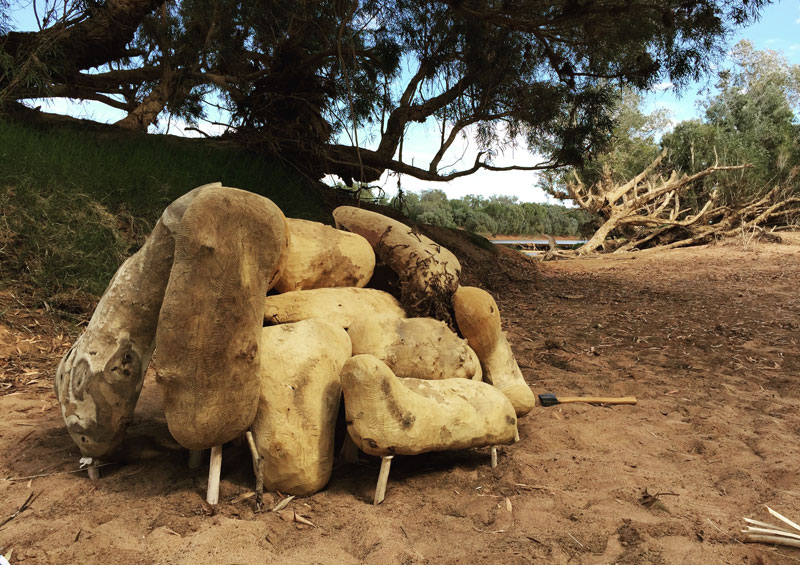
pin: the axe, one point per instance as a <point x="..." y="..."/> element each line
<point x="549" y="399"/>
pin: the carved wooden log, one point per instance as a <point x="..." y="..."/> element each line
<point x="226" y="251"/>
<point x="299" y="403"/>
<point x="387" y="415"/>
<point x="478" y="320"/>
<point x="341" y="306"/>
<point x="321" y="256"/>
<point x="428" y="272"/>
<point x="99" y="379"/>
<point x="419" y="348"/>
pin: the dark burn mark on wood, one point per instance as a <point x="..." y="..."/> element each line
<point x="405" y="419"/>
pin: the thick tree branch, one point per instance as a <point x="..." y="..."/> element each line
<point x="100" y="37"/>
<point x="343" y="161"/>
<point x="406" y="112"/>
<point x="81" y="93"/>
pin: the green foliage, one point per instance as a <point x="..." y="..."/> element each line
<point x="752" y="119"/>
<point x="296" y="76"/>
<point x="75" y="203"/>
<point x="494" y="215"/>
<point x="632" y="146"/>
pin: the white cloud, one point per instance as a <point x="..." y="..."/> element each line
<point x="663" y="86"/>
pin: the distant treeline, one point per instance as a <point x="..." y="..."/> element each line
<point x="493" y="215"/>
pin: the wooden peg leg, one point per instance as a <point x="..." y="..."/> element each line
<point x="195" y="458"/>
<point x="214" y="468"/>
<point x="253" y="450"/>
<point x="494" y="457"/>
<point x="257" y="467"/>
<point x="383" y="478"/>
<point x="349" y="450"/>
<point x="94" y="471"/>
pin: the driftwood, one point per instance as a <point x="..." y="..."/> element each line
<point x="99" y="379"/>
<point x="341" y="306"/>
<point x="419" y="348"/>
<point x="320" y="256"/>
<point x="648" y="212"/>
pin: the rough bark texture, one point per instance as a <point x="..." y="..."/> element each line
<point x="428" y="272"/>
<point x="226" y="252"/>
<point x="648" y="211"/>
<point x="341" y="306"/>
<point x="419" y="348"/>
<point x="172" y="85"/>
<point x="387" y="415"/>
<point x="99" y="379"/>
<point x="299" y="402"/>
<point x="321" y="256"/>
<point x="95" y="40"/>
<point x="478" y="319"/>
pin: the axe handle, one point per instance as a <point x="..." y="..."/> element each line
<point x="597" y="399"/>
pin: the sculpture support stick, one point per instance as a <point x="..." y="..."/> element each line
<point x="494" y="457"/>
<point x="94" y="471"/>
<point x="383" y="478"/>
<point x="214" y="468"/>
<point x="257" y="466"/>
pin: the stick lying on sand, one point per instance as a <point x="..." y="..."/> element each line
<point x="762" y="532"/>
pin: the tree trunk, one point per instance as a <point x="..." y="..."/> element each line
<point x="64" y="50"/>
<point x="169" y="87"/>
<point x="599" y="236"/>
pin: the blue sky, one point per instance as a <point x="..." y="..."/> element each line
<point x="778" y="29"/>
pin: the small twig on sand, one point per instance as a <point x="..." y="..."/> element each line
<point x="282" y="504"/>
<point x="575" y="540"/>
<point x="303" y="520"/>
<point x="783" y="519"/>
<point x="25" y="505"/>
<point x="53" y="474"/>
<point x="722" y="531"/>
<point x="762" y="532"/>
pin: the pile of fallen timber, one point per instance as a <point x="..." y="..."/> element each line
<point x="262" y="324"/>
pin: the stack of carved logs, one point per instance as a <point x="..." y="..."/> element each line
<point x="262" y="323"/>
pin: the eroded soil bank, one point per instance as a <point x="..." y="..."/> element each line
<point x="706" y="338"/>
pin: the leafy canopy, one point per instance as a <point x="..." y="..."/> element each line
<point x="297" y="76"/>
<point x="753" y="118"/>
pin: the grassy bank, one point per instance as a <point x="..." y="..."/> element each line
<point x="75" y="202"/>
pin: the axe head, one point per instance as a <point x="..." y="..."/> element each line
<point x="548" y="399"/>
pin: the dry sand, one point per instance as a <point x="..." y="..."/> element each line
<point x="706" y="338"/>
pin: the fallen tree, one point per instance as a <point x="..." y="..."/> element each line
<point x="649" y="210"/>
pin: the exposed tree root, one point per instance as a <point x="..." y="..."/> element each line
<point x="647" y="212"/>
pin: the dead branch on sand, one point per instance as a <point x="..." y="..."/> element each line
<point x="647" y="211"/>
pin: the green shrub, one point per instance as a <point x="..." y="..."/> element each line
<point x="75" y="202"/>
